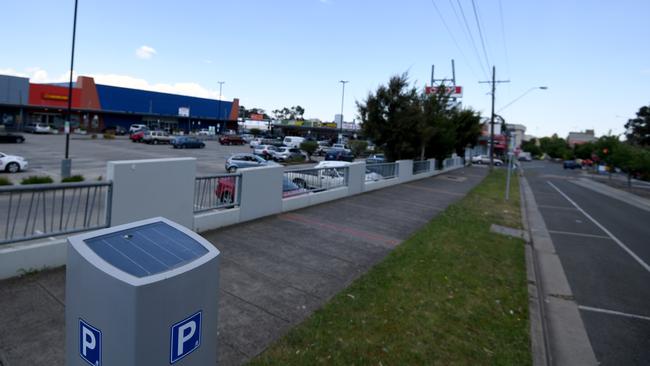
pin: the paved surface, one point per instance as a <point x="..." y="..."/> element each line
<point x="274" y="271"/>
<point x="604" y="248"/>
<point x="89" y="157"/>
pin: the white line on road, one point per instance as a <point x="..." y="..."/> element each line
<point x="605" y="311"/>
<point x="579" y="234"/>
<point x="620" y="243"/>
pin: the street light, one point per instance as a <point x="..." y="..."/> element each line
<point x="219" y="107"/>
<point x="343" y="82"/>
<point x="66" y="164"/>
<point x="521" y="96"/>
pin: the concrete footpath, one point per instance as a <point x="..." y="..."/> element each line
<point x="275" y="271"/>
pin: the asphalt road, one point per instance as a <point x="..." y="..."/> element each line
<point x="604" y="247"/>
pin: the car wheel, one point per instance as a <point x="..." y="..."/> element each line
<point x="21" y="140"/>
<point x="155" y="142"/>
<point x="300" y="183"/>
<point x="12" y="168"/>
<point x="232" y="169"/>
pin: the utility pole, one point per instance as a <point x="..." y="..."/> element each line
<point x="66" y="164"/>
<point x="343" y="82"/>
<point x="219" y="107"/>
<point x="494" y="83"/>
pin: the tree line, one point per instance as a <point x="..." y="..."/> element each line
<point x="631" y="156"/>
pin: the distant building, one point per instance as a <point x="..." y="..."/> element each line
<point x="518" y="133"/>
<point x="577" y="138"/>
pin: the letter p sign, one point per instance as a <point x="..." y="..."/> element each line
<point x="90" y="343"/>
<point x="185" y="337"/>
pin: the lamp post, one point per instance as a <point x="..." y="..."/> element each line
<point x="66" y="164"/>
<point x="343" y="82"/>
<point x="219" y="107"/>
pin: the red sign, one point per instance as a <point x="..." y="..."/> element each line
<point x="452" y="91"/>
<point x="256" y="116"/>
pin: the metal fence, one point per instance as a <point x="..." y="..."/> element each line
<point x="315" y="180"/>
<point x="386" y="170"/>
<point x="43" y="210"/>
<point x="217" y="191"/>
<point x="421" y="166"/>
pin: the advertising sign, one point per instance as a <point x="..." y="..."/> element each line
<point x="453" y="91"/>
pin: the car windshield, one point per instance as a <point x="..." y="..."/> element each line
<point x="288" y="185"/>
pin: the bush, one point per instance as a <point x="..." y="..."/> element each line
<point x="74" y="178"/>
<point x="5" y="182"/>
<point x="35" y="179"/>
<point x="309" y="147"/>
<point x="93" y="136"/>
<point x="358" y="147"/>
<point x="109" y="135"/>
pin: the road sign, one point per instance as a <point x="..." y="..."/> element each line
<point x="90" y="343"/>
<point x="185" y="337"/>
<point x="453" y="91"/>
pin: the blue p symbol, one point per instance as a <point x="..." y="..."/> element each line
<point x="185" y="337"/>
<point x="90" y="343"/>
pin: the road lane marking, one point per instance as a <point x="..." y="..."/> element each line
<point x="613" y="312"/>
<point x="620" y="243"/>
<point x="579" y="234"/>
<point x="557" y="207"/>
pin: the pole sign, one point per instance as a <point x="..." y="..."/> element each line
<point x="453" y="91"/>
<point x="183" y="111"/>
<point x="66" y="127"/>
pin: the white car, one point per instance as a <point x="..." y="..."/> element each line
<point x="264" y="150"/>
<point x="136" y="127"/>
<point x="484" y="159"/>
<point x="326" y="174"/>
<point x="255" y="142"/>
<point x="205" y="132"/>
<point x="12" y="163"/>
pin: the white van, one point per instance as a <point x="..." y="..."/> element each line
<point x="293" y="141"/>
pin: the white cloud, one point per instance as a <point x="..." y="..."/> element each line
<point x="145" y="52"/>
<point x="37" y="75"/>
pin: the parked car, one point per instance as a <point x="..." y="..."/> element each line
<point x="327" y="174"/>
<point x="12" y="163"/>
<point x="136" y="127"/>
<point x="137" y="136"/>
<point x="484" y="159"/>
<point x="11" y="137"/>
<point x="293" y="141"/>
<point x="231" y="140"/>
<point x="187" y="142"/>
<point x="239" y="161"/>
<point x="265" y="151"/>
<point x="376" y="159"/>
<point x="322" y="148"/>
<point x="226" y="189"/>
<point x="37" y="128"/>
<point x="157" y="137"/>
<point x="291" y="189"/>
<point x="255" y="142"/>
<point x="339" y="147"/>
<point x="571" y="164"/>
<point x="287" y="153"/>
<point x="341" y="155"/>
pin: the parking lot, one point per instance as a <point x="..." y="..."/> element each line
<point x="89" y="156"/>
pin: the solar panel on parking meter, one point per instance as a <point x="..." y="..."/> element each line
<point x="139" y="294"/>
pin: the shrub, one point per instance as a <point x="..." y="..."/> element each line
<point x="358" y="147"/>
<point x="35" y="179"/>
<point x="5" y="182"/>
<point x="93" y="136"/>
<point x="109" y="136"/>
<point x="74" y="178"/>
<point x="309" y="147"/>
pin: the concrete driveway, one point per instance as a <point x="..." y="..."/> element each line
<point x="274" y="271"/>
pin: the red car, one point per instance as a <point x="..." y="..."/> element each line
<point x="137" y="136"/>
<point x="231" y="140"/>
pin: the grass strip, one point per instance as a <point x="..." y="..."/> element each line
<point x="453" y="293"/>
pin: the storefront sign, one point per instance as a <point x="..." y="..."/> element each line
<point x="51" y="96"/>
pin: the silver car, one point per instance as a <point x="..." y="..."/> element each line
<point x="239" y="161"/>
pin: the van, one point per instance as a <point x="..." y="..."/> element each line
<point x="293" y="141"/>
<point x="136" y="127"/>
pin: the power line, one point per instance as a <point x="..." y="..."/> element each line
<point x="442" y="19"/>
<point x="480" y="32"/>
<point x="471" y="37"/>
<point x="503" y="36"/>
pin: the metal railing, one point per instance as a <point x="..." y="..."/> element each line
<point x="421" y="166"/>
<point x="386" y="170"/>
<point x="44" y="210"/>
<point x="216" y="192"/>
<point x="316" y="180"/>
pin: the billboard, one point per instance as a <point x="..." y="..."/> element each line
<point x="454" y="91"/>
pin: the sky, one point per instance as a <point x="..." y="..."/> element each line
<point x="592" y="55"/>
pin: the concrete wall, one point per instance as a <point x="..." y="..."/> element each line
<point x="405" y="170"/>
<point x="18" y="259"/>
<point x="261" y="192"/>
<point x="356" y="177"/>
<point x="149" y="188"/>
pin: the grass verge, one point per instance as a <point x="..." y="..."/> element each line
<point x="453" y="293"/>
